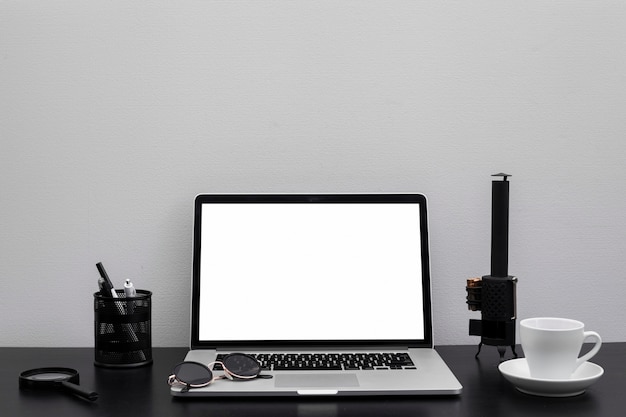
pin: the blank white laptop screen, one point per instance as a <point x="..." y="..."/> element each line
<point x="314" y="272"/>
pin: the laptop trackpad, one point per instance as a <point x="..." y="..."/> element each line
<point x="316" y="381"/>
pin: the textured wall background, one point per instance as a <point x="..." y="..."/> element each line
<point x="114" y="115"/>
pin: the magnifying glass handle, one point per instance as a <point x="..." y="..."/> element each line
<point x="76" y="390"/>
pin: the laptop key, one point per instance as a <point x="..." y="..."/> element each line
<point x="307" y="367"/>
<point x="331" y="362"/>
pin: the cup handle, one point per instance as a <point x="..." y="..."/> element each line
<point x="593" y="350"/>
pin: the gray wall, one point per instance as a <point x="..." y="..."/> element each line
<point x="114" y="115"/>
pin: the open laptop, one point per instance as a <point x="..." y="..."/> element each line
<point x="294" y="278"/>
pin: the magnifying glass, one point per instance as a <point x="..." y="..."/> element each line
<point x="65" y="379"/>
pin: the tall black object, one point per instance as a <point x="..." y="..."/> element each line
<point x="495" y="294"/>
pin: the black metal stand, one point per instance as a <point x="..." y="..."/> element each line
<point x="495" y="295"/>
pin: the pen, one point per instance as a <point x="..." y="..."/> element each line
<point x="108" y="285"/>
<point x="129" y="289"/>
<point x="130" y="292"/>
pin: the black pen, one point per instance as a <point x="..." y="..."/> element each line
<point x="107" y="284"/>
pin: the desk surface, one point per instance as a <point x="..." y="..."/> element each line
<point x="144" y="391"/>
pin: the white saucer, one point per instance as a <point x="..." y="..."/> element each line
<point x="516" y="371"/>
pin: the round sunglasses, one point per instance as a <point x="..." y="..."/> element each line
<point x="236" y="366"/>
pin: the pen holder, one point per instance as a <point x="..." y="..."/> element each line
<point x="123" y="327"/>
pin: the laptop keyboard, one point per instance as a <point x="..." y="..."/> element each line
<point x="330" y="361"/>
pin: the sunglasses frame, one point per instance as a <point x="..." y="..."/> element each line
<point x="173" y="379"/>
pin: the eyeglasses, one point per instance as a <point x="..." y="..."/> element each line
<point x="236" y="366"/>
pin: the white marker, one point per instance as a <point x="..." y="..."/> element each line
<point x="129" y="289"/>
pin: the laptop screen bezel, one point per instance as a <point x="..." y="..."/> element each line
<point x="411" y="198"/>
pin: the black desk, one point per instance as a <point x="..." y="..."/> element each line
<point x="144" y="392"/>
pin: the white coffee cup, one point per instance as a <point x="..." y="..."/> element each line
<point x="552" y="345"/>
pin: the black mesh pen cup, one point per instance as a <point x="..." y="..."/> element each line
<point x="123" y="330"/>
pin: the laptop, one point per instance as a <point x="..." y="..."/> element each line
<point x="297" y="279"/>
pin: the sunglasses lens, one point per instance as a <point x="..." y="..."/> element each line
<point x="241" y="365"/>
<point x="193" y="373"/>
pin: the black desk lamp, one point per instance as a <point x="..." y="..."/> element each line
<point x="495" y="295"/>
